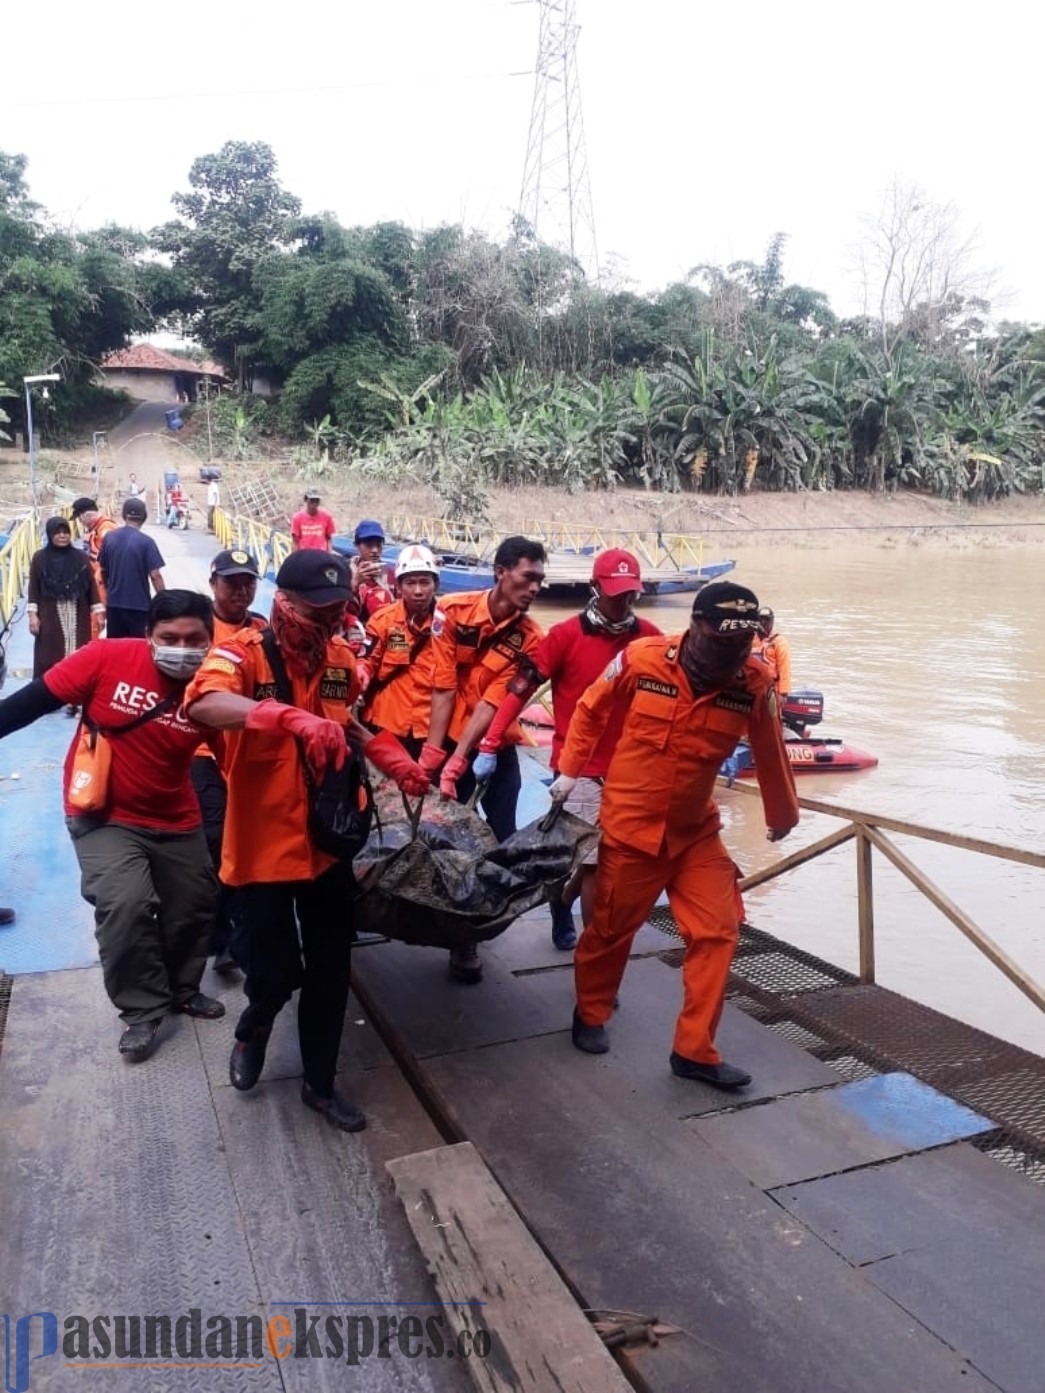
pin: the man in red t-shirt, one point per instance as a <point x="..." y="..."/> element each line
<point x="312" y="527"/>
<point x="572" y="656"/>
<point x="143" y="858"/>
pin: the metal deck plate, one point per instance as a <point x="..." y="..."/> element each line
<point x="645" y="1217"/>
<point x="982" y="1293"/>
<point x="838" y="1129"/>
<point x="641" y="1033"/>
<point x="916" y="1202"/>
<point x="140" y="1189"/>
<point x="527" y="945"/>
<point x="436" y="1015"/>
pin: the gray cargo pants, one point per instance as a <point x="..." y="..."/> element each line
<point x="155" y="897"/>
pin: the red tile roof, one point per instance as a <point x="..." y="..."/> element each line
<point x="143" y="357"/>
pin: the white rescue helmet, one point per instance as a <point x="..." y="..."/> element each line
<point x="415" y="560"/>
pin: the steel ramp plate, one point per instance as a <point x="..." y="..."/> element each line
<point x="916" y="1202"/>
<point x="142" y="1189"/>
<point x="434" y="1014"/>
<point x="641" y="1032"/>
<point x="838" y="1129"/>
<point x="956" y="1239"/>
<point x="527" y="944"/>
<point x="981" y="1293"/>
<point x="644" y="1216"/>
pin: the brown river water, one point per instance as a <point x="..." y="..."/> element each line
<point x="934" y="661"/>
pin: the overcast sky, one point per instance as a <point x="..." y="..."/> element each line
<point x="708" y="128"/>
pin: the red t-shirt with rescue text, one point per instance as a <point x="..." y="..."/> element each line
<point x="573" y="655"/>
<point x="312" y="533"/>
<point x="115" y="680"/>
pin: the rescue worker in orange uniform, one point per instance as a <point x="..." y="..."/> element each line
<point x="571" y="656"/>
<point x="486" y="636"/>
<point x="294" y="912"/>
<point x="397" y="672"/>
<point x="233" y="585"/>
<point x="774" y="650"/>
<point x="688" y="701"/>
<point x="96" y="525"/>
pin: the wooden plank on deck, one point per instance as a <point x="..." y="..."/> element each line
<point x="479" y="1250"/>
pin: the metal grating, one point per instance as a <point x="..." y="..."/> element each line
<point x="861" y="1029"/>
<point x="6" y="984"/>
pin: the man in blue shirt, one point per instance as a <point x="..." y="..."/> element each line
<point x="129" y="560"/>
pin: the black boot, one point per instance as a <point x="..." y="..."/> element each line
<point x="138" y="1041"/>
<point x="338" y="1111"/>
<point x="717" y="1075"/>
<point x="564" y="935"/>
<point x="592" y="1039"/>
<point x="247" y="1061"/>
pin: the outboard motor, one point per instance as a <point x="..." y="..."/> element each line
<point x="801" y="709"/>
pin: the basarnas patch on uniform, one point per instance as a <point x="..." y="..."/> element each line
<point x="735" y="701"/>
<point x="396" y="642"/>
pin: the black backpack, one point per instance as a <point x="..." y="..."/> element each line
<point x="337" y="823"/>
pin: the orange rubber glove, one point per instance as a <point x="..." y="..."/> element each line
<point x="385" y="753"/>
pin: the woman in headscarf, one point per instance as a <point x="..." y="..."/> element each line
<point x="62" y="597"/>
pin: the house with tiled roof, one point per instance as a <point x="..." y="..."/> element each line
<point x="148" y="373"/>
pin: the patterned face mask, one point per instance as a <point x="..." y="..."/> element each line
<point x="302" y="640"/>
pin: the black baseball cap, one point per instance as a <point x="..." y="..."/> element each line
<point x="731" y="609"/>
<point x="135" y="508"/>
<point x="83" y="505"/>
<point x="312" y="496"/>
<point x="320" y="576"/>
<point x="234" y="563"/>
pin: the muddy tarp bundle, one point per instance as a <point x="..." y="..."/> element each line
<point x="445" y="881"/>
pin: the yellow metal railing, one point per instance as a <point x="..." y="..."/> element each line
<point x="868" y="830"/>
<point x="657" y="549"/>
<point x="267" y="544"/>
<point x="15" y="556"/>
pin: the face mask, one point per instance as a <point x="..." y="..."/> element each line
<point x="711" y="665"/>
<point x="178" y="663"/>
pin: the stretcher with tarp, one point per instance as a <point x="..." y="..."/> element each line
<point x="434" y="874"/>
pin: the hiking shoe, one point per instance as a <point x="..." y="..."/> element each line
<point x="338" y="1111"/>
<point x="717" y="1075"/>
<point x="564" y="935"/>
<point x="206" y="1008"/>
<point x="225" y="964"/>
<point x="138" y="1041"/>
<point x="592" y="1039"/>
<point x="7" y="916"/>
<point x="466" y="965"/>
<point x="247" y="1061"/>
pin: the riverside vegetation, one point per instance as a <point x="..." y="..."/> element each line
<point x="455" y="360"/>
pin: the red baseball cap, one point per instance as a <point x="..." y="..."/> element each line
<point x="617" y="571"/>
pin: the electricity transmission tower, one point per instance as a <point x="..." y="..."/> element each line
<point x="556" y="194"/>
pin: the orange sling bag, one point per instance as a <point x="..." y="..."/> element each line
<point x="88" y="790"/>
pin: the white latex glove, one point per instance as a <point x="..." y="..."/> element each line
<point x="484" y="765"/>
<point x="562" y="788"/>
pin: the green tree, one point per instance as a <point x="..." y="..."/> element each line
<point x="235" y="216"/>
